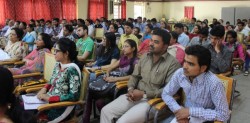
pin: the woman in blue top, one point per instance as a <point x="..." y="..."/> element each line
<point x="30" y="37"/>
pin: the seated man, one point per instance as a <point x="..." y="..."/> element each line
<point x="84" y="44"/>
<point x="205" y="96"/>
<point x="220" y="54"/>
<point x="147" y="81"/>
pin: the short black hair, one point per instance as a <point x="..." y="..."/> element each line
<point x="150" y="26"/>
<point x="203" y="55"/>
<point x="69" y="27"/>
<point x="194" y="19"/>
<point x="232" y="33"/>
<point x="179" y="25"/>
<point x="56" y="19"/>
<point x="139" y="30"/>
<point x="174" y="35"/>
<point x="163" y="34"/>
<point x="218" y="31"/>
<point x="84" y="27"/>
<point x="129" y="24"/>
<point x="48" y="21"/>
<point x="204" y="31"/>
<point x="153" y="20"/>
<point x="241" y="22"/>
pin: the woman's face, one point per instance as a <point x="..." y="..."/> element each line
<point x="28" y="29"/>
<point x="59" y="55"/>
<point x="40" y="42"/>
<point x="230" y="39"/>
<point x="111" y="29"/>
<point x="13" y="36"/>
<point x="229" y="28"/>
<point x="196" y="30"/>
<point x="127" y="49"/>
<point x="163" y="25"/>
<point x="104" y="41"/>
<point x="185" y="29"/>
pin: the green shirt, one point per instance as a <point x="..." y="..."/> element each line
<point x="85" y="45"/>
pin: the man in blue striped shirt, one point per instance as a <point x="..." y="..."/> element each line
<point x="205" y="93"/>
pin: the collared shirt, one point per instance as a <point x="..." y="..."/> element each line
<point x="205" y="96"/>
<point x="197" y="41"/>
<point x="152" y="77"/>
<point x="220" y="62"/>
<point x="124" y="37"/>
<point x="71" y="37"/>
<point x="141" y="26"/>
<point x="4" y="29"/>
<point x="191" y="27"/>
<point x="91" y="30"/>
<point x="49" y="31"/>
<point x="183" y="39"/>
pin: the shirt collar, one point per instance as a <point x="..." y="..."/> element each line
<point x="164" y="56"/>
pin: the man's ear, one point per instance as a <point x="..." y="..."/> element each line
<point x="203" y="68"/>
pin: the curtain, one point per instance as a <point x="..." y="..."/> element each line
<point x="97" y="9"/>
<point x="24" y="10"/>
<point x="123" y="9"/>
<point x="189" y="12"/>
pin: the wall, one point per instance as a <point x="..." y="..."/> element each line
<point x="202" y="9"/>
<point x="82" y="9"/>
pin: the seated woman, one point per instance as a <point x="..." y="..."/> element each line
<point x="235" y="47"/>
<point x="65" y="82"/>
<point x="30" y="37"/>
<point x="195" y="32"/>
<point x="108" y="53"/>
<point x="125" y="66"/>
<point x="15" y="49"/>
<point x="7" y="99"/>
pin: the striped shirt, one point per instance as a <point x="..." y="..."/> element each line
<point x="205" y="96"/>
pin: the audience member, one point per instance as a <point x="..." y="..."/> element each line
<point x="183" y="39"/>
<point x="30" y="37"/>
<point x="202" y="39"/>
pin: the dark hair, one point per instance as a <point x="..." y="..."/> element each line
<point x="111" y="41"/>
<point x="48" y="21"/>
<point x="166" y="25"/>
<point x="31" y="26"/>
<point x="84" y="27"/>
<point x="129" y="24"/>
<point x="66" y="45"/>
<point x="82" y="22"/>
<point x="56" y="19"/>
<point x="132" y="44"/>
<point x="138" y="29"/>
<point x="174" y="35"/>
<point x="24" y="24"/>
<point x="233" y="34"/>
<point x="218" y="31"/>
<point x="199" y="28"/>
<point x="227" y="22"/>
<point x="69" y="28"/>
<point x="150" y="26"/>
<point x="242" y="23"/>
<point x="47" y="40"/>
<point x="153" y="20"/>
<point x="115" y="26"/>
<point x="19" y="33"/>
<point x="90" y="21"/>
<point x="194" y="19"/>
<point x="203" y="55"/>
<point x="7" y="87"/>
<point x="204" y="31"/>
<point x="97" y="20"/>
<point x="205" y="24"/>
<point x="179" y="25"/>
<point x="163" y="34"/>
<point x="41" y="20"/>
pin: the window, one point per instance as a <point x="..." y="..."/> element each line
<point x="117" y="9"/>
<point x="139" y="9"/>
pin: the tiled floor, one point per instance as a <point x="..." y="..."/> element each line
<point x="241" y="105"/>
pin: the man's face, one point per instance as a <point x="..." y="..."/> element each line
<point x="54" y="23"/>
<point x="65" y="32"/>
<point x="64" y="22"/>
<point x="191" y="66"/>
<point x="148" y="30"/>
<point x="80" y="32"/>
<point x="156" y="45"/>
<point x="202" y="37"/>
<point x="215" y="40"/>
<point x="135" y="31"/>
<point x="139" y="20"/>
<point x="193" y="21"/>
<point x="48" y="24"/>
<point x="128" y="30"/>
<point x="240" y="27"/>
<point x="178" y="30"/>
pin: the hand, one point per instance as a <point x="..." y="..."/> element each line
<point x="42" y="91"/>
<point x="110" y="79"/>
<point x="185" y="120"/>
<point x="218" y="46"/>
<point x="130" y="95"/>
<point x="182" y="113"/>
<point x="44" y="97"/>
<point x="93" y="69"/>
<point x="137" y="95"/>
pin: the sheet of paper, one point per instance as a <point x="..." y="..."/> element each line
<point x="32" y="102"/>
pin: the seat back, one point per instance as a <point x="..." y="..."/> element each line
<point x="49" y="65"/>
<point x="99" y="32"/>
<point x="229" y="85"/>
<point x="84" y="85"/>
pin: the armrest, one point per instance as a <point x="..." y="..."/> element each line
<point x="27" y="75"/>
<point x="19" y="63"/>
<point x="121" y="82"/>
<point x="19" y="88"/>
<point x="33" y="89"/>
<point x="218" y="122"/>
<point x="154" y="101"/>
<point x="7" y="62"/>
<point x="121" y="86"/>
<point x="162" y="104"/>
<point x="58" y="105"/>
